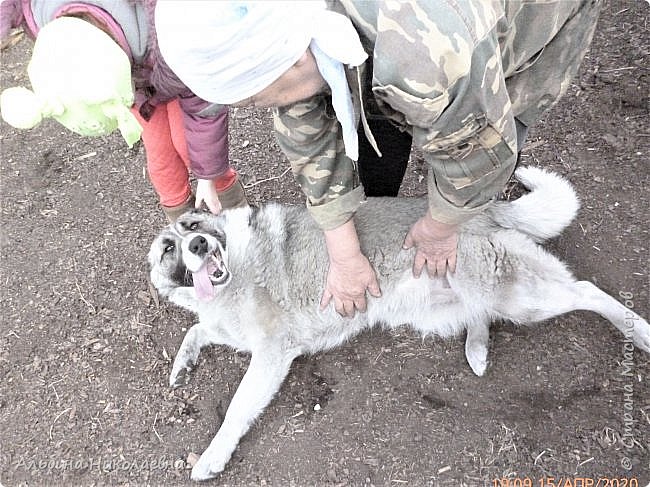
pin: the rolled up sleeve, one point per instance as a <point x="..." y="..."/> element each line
<point x="464" y="178"/>
<point x="309" y="135"/>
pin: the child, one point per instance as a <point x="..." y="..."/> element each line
<point x="87" y="58"/>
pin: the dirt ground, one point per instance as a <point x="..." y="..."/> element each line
<point x="85" y="350"/>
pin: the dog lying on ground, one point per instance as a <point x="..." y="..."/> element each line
<point x="254" y="277"/>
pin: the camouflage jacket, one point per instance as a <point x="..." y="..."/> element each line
<point x="455" y="74"/>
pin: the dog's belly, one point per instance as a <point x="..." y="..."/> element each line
<point x="428" y="305"/>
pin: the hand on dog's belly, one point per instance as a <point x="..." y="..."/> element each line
<point x="436" y="245"/>
<point x="350" y="273"/>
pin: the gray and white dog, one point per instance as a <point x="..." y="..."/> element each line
<point x="254" y="277"/>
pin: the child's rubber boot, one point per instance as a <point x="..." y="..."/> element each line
<point x="173" y="212"/>
<point x="233" y="197"/>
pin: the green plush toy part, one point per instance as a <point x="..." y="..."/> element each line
<point x="81" y="78"/>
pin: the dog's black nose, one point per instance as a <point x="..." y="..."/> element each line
<point x="198" y="245"/>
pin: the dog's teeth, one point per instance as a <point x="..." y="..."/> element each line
<point x="216" y="278"/>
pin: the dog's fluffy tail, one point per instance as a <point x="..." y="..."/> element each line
<point x="543" y="213"/>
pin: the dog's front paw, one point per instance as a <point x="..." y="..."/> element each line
<point x="209" y="465"/>
<point x="183" y="365"/>
<point x="186" y="358"/>
<point x="180" y="375"/>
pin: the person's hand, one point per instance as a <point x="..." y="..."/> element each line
<point x="349" y="274"/>
<point x="347" y="281"/>
<point x="436" y="244"/>
<point x="206" y="192"/>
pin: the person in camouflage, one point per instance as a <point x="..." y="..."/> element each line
<point x="464" y="78"/>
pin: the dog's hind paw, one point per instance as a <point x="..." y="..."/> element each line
<point x="477" y="358"/>
<point x="641" y="336"/>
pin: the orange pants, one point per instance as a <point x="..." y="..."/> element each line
<point x="167" y="158"/>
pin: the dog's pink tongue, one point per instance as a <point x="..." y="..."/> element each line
<point x="202" y="284"/>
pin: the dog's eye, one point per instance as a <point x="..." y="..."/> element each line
<point x="168" y="248"/>
<point x="194" y="226"/>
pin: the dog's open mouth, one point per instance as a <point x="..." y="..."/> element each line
<point x="212" y="273"/>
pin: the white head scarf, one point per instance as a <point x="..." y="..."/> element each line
<point x="227" y="51"/>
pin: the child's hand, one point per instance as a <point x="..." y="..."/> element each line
<point x="206" y="192"/>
